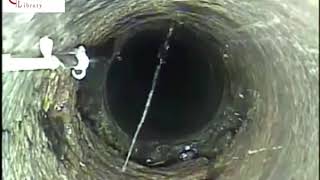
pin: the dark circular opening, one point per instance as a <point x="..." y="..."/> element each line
<point x="188" y="91"/>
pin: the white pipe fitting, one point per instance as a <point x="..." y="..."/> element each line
<point x="83" y="63"/>
<point x="48" y="61"/>
<point x="20" y="64"/>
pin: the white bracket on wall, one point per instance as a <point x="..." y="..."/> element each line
<point x="48" y="61"/>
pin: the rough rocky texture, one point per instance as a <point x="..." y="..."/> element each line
<point x="272" y="49"/>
